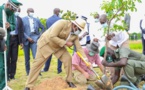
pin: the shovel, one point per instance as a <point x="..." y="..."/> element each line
<point x="107" y="84"/>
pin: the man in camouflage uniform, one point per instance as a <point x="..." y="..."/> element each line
<point x="133" y="64"/>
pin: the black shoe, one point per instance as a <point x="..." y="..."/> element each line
<point x="71" y="85"/>
<point x="27" y="88"/>
<point x="59" y="72"/>
<point x="40" y="74"/>
<point x="13" y="78"/>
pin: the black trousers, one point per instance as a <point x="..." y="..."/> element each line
<point x="12" y="56"/>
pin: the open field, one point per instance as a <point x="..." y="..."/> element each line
<point x="19" y="82"/>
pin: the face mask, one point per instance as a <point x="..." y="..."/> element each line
<point x="96" y="20"/>
<point x="17" y="13"/>
<point x="8" y="11"/>
<point x="77" y="32"/>
<point x="91" y="54"/>
<point x="31" y="14"/>
<point x="104" y="25"/>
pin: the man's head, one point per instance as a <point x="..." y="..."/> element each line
<point x="11" y="6"/>
<point x="30" y="12"/>
<point x="56" y="11"/>
<point x="103" y="18"/>
<point x="78" y="25"/>
<point x="93" y="48"/>
<point x="96" y="17"/>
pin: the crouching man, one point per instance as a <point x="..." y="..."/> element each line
<point x="81" y="72"/>
<point x="133" y="64"/>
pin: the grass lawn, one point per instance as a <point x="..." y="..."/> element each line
<point x="19" y="82"/>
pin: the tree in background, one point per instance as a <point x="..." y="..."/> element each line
<point x="43" y="21"/>
<point x="94" y="14"/>
<point x="68" y="15"/>
<point x="115" y="10"/>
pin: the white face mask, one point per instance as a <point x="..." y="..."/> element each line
<point x="17" y="13"/>
<point x="105" y="25"/>
<point x="77" y="32"/>
<point x="31" y="14"/>
<point x="96" y="20"/>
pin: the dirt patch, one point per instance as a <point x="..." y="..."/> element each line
<point x="55" y="84"/>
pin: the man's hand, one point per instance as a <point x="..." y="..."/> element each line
<point x="7" y="25"/>
<point x="30" y="40"/>
<point x="95" y="39"/>
<point x="104" y="62"/>
<point x="110" y="36"/>
<point x="69" y="44"/>
<point x="86" y="75"/>
<point x="21" y="45"/>
<point x="80" y="38"/>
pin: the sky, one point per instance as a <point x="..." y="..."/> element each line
<point x="44" y="9"/>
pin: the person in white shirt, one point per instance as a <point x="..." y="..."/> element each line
<point x="116" y="39"/>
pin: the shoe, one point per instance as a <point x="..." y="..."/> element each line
<point x="13" y="78"/>
<point x="71" y="85"/>
<point x="59" y="72"/>
<point x="43" y="71"/>
<point x="27" y="88"/>
<point x="40" y="74"/>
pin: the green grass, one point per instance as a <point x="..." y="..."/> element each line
<point x="19" y="82"/>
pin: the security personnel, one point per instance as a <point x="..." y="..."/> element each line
<point x="9" y="8"/>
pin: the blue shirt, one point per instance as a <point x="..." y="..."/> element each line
<point x="52" y="20"/>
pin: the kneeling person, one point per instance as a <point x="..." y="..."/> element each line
<point x="132" y="63"/>
<point x="81" y="72"/>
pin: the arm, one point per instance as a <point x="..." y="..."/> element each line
<point x="140" y="25"/>
<point x="55" y="31"/>
<point x="116" y="76"/>
<point x="82" y="36"/>
<point x="76" y="60"/>
<point x="23" y="21"/>
<point x="122" y="62"/>
<point x="11" y="21"/>
<point x="101" y="67"/>
<point x="48" y="24"/>
<point x="21" y="31"/>
<point x="79" y="47"/>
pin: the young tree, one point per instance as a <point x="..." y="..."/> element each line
<point x="115" y="10"/>
<point x="68" y="15"/>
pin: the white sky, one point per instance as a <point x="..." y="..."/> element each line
<point x="44" y="9"/>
